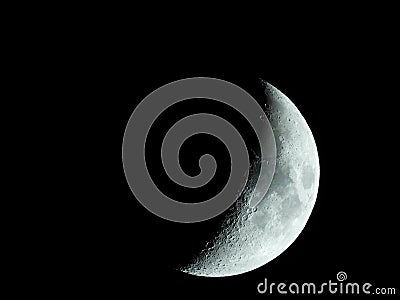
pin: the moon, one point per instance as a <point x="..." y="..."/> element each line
<point x="249" y="238"/>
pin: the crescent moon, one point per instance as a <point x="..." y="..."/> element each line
<point x="251" y="237"/>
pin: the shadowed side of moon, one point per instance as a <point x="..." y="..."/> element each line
<point x="249" y="238"/>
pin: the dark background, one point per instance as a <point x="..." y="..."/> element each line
<point x="345" y="91"/>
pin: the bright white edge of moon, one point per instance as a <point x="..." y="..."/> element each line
<point x="250" y="238"/>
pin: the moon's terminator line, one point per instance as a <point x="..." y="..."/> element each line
<point x="249" y="238"/>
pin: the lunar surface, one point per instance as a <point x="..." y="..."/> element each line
<point x="251" y="237"/>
